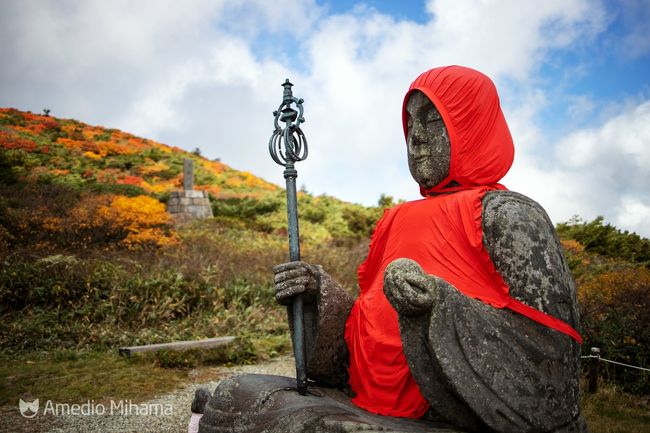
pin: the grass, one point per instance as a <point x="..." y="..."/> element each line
<point x="76" y="376"/>
<point x="612" y="411"/>
<point x="85" y="376"/>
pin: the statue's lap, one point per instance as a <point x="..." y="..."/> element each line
<point x="263" y="403"/>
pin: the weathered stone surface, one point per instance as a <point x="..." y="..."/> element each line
<point x="194" y="194"/>
<point x="524" y="248"/>
<point x="327" y="359"/>
<point x="188" y="175"/>
<point x="481" y="367"/>
<point x="188" y="205"/>
<point x="201" y="398"/>
<point x="427" y="142"/>
<point x="326" y="308"/>
<point x="257" y="403"/>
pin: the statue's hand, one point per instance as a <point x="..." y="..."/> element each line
<point x="293" y="278"/>
<point x="409" y="290"/>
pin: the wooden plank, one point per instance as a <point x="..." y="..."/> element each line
<point x="178" y="345"/>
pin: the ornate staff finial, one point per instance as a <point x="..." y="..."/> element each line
<point x="287" y="146"/>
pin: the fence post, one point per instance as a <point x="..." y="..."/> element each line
<point x="593" y="369"/>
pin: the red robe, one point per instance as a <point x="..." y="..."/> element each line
<point x="443" y="233"/>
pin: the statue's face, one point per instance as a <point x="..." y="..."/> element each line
<point x="427" y="141"/>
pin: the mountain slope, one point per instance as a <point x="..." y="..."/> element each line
<point x="41" y="148"/>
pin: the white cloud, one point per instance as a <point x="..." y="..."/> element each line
<point x="598" y="171"/>
<point x="201" y="75"/>
<point x="631" y="212"/>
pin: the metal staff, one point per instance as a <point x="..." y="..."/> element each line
<point x="287" y="146"/>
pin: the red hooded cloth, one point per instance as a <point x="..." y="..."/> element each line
<point x="443" y="233"/>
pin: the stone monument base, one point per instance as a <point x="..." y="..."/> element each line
<point x="188" y="205"/>
<point x="255" y="403"/>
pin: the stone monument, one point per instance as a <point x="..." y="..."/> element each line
<point x="467" y="317"/>
<point x="189" y="204"/>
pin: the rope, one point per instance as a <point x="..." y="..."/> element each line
<point x="614" y="362"/>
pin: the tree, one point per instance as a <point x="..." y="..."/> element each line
<point x="385" y="201"/>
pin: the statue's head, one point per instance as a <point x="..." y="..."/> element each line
<point x="455" y="131"/>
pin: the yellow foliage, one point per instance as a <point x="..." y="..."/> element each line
<point x="139" y="211"/>
<point x="213" y="166"/>
<point x="234" y="182"/>
<point x="92" y="155"/>
<point x="153" y="168"/>
<point x="143" y="217"/>
<point x="151" y="236"/>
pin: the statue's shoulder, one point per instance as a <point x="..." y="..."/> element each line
<point x="519" y="236"/>
<point x="509" y="212"/>
<point x="524" y="247"/>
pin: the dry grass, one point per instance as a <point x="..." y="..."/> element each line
<point x="613" y="411"/>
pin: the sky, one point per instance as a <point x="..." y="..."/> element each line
<point x="573" y="77"/>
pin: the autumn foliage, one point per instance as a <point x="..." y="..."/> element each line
<point x="142" y="218"/>
<point x="96" y="157"/>
<point x="53" y="217"/>
<point x="614" y="300"/>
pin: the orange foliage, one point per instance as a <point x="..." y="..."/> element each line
<point x="70" y="143"/>
<point x="40" y="124"/>
<point x="213" y="166"/>
<point x="143" y="217"/>
<point x="12" y="141"/>
<point x="131" y="180"/>
<point x="572" y="245"/>
<point x="214" y="190"/>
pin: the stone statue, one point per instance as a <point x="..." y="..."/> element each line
<point x="467" y="313"/>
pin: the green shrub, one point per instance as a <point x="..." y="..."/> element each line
<point x="245" y="207"/>
<point x="607" y="240"/>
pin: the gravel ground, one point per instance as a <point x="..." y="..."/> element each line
<point x="178" y="403"/>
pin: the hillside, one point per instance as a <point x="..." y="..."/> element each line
<point x="68" y="152"/>
<point x="91" y="260"/>
<point x="66" y="184"/>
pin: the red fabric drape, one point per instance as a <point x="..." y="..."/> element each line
<point x="442" y="233"/>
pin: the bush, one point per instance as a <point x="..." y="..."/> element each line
<point x="47" y="217"/>
<point x="607" y="240"/>
<point x="245" y="207"/>
<point x="614" y="307"/>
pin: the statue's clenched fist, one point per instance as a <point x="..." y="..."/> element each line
<point x="293" y="278"/>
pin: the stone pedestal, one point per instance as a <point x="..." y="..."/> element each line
<point x="188" y="205"/>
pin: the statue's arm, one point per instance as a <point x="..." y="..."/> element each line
<point x="524" y="247"/>
<point x="327" y="306"/>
